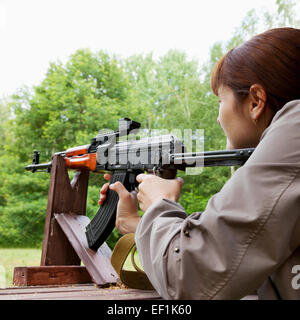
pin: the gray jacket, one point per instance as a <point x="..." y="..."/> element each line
<point x="247" y="239"/>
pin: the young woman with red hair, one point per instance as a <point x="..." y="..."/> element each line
<point x="248" y="237"/>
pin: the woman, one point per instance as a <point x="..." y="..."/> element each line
<point x="248" y="237"/>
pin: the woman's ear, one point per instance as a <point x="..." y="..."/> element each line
<point x="257" y="103"/>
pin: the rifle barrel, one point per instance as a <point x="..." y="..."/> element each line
<point x="219" y="157"/>
<point x="46" y="167"/>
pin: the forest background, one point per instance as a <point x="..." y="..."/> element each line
<point x="93" y="90"/>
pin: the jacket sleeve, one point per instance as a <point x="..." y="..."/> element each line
<point x="246" y="231"/>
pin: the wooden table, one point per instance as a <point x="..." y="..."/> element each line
<point x="76" y="292"/>
<point x="81" y="292"/>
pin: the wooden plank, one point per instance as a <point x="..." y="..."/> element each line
<point x="50" y="275"/>
<point x="104" y="294"/>
<point x="97" y="262"/>
<point x="63" y="196"/>
<point x="43" y="289"/>
<point x="82" y="292"/>
<point x="78" y="293"/>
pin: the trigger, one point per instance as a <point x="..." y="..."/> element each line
<point x="132" y="181"/>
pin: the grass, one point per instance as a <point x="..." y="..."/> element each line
<point x="11" y="258"/>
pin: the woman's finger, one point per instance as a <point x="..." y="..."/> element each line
<point x="120" y="189"/>
<point x="107" y="176"/>
<point x="140" y="177"/>
<point x="103" y="192"/>
<point x="102" y="198"/>
<point x="104" y="188"/>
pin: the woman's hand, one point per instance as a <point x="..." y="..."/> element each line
<point x="153" y="189"/>
<point x="127" y="210"/>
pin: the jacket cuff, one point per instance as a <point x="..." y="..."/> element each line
<point x="162" y="208"/>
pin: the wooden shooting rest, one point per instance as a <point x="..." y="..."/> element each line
<point x="64" y="243"/>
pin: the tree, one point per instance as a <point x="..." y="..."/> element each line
<point x="68" y="108"/>
<point x="173" y="96"/>
<point x="71" y="104"/>
<point x="4" y="117"/>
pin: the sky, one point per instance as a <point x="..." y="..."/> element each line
<point x="34" y="33"/>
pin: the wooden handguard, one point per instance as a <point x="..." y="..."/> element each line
<point x="86" y="161"/>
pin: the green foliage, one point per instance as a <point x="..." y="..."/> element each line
<point x="286" y="15"/>
<point x="71" y="104"/>
<point x="22" y="209"/>
<point x="4" y="117"/>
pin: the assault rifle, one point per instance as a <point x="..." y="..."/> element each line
<point x="161" y="155"/>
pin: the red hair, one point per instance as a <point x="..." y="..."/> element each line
<point x="271" y="59"/>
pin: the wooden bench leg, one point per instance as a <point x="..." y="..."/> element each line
<point x="63" y="197"/>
